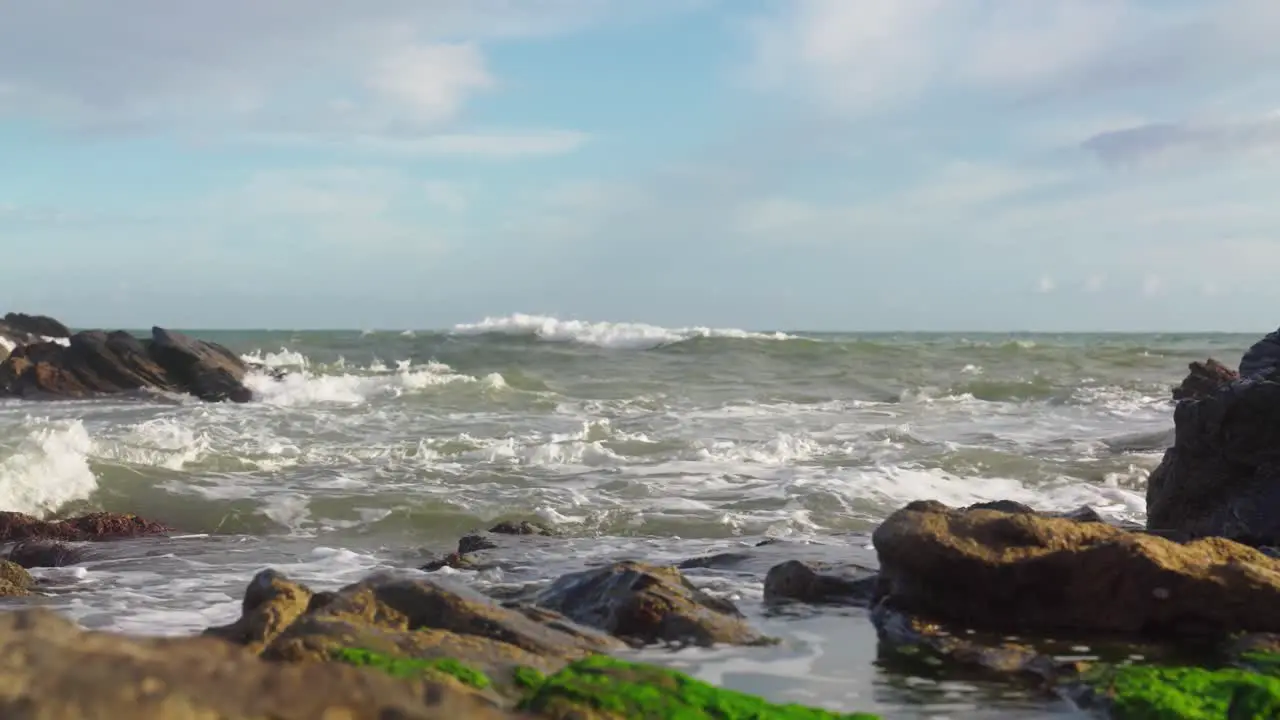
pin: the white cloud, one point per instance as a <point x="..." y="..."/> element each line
<point x="489" y="145"/>
<point x="449" y="196"/>
<point x="1152" y="285"/>
<point x="1046" y="284"/>
<point x="1094" y="283"/>
<point x="1167" y="143"/>
<point x="866" y="56"/>
<point x="431" y="81"/>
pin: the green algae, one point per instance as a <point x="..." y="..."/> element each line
<point x="528" y="678"/>
<point x="613" y="688"/>
<point x="414" y="667"/>
<point x="1147" y="692"/>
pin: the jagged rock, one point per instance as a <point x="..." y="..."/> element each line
<point x="1204" y="378"/>
<point x="645" y="604"/>
<point x="15" y="581"/>
<point x="403" y="618"/>
<point x="40" y="326"/>
<point x="41" y="553"/>
<point x="1028" y="573"/>
<point x="795" y="581"/>
<point x="1221" y="477"/>
<point x="94" y="526"/>
<point x="55" y="671"/>
<point x="523" y="527"/>
<point x="1263" y="358"/>
<point x="96" y="363"/>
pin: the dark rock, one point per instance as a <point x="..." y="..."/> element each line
<point x="1263" y="358"/>
<point x="644" y="604"/>
<point x="284" y="621"/>
<point x="60" y="671"/>
<point x="758" y="559"/>
<point x="523" y="527"/>
<point x="37" y="325"/>
<point x="1222" y="475"/>
<point x="42" y="553"/>
<point x="95" y="526"/>
<point x="502" y="547"/>
<point x="796" y="581"/>
<point x="1022" y="572"/>
<point x="1204" y="378"/>
<point x="99" y="363"/>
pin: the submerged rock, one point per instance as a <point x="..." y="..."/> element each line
<point x="406" y="619"/>
<point x="646" y="604"/>
<point x="94" y="526"/>
<point x="1028" y="573"/>
<point x="1204" y="378"/>
<point x="99" y="363"/>
<point x="58" y="671"/>
<point x="42" y="553"/>
<point x="1221" y="477"/>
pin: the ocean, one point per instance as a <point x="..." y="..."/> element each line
<point x="380" y="448"/>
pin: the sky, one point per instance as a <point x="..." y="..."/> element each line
<point x="1055" y="165"/>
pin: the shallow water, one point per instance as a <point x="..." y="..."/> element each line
<point x="380" y="449"/>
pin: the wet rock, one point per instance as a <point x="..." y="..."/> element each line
<point x="402" y="618"/>
<point x="1204" y="378"/>
<point x="1151" y="692"/>
<point x="1263" y="358"/>
<point x="271" y="603"/>
<point x="757" y="559"/>
<point x="1027" y="573"/>
<point x="99" y="363"/>
<point x="795" y="581"/>
<point x="504" y="546"/>
<point x="15" y="581"/>
<point x="40" y="326"/>
<point x="906" y="637"/>
<point x="94" y="526"/>
<point x="645" y="604"/>
<point x="1221" y="477"/>
<point x="522" y="527"/>
<point x="42" y="553"/>
<point x="56" y="671"/>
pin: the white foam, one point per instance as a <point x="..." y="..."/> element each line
<point x="162" y="442"/>
<point x="614" y="335"/>
<point x="285" y="358"/>
<point x="6" y="345"/>
<point x="48" y="468"/>
<point x="307" y="388"/>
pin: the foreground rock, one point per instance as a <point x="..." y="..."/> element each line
<point x="1221" y="477"/>
<point x="645" y="604"/>
<point x="418" y="619"/>
<point x="55" y="671"/>
<point x="1026" y="573"/>
<point x="96" y="363"/>
<point x="16" y="527"/>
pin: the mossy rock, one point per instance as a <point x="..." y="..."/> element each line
<point x="410" y="667"/>
<point x="1148" y="692"/>
<point x="604" y="688"/>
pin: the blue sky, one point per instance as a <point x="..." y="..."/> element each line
<point x="809" y="164"/>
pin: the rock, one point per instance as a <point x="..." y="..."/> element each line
<point x="644" y="604"/>
<point x="15" y="581"/>
<point x="94" y="526"/>
<point x="55" y="671"/>
<point x="1262" y="359"/>
<point x="757" y="559"/>
<point x="40" y="326"/>
<point x="1150" y="692"/>
<point x="1204" y="378"/>
<point x="1221" y="477"/>
<point x="795" y="581"/>
<point x="1026" y="573"/>
<point x="602" y="688"/>
<point x="506" y="545"/>
<point x="41" y="553"/>
<point x="904" y="637"/>
<point x="98" y="363"/>
<point x="523" y="527"/>
<point x="407" y="619"/>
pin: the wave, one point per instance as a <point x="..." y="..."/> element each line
<point x="307" y="387"/>
<point x="611" y="335"/>
<point x="47" y="467"/>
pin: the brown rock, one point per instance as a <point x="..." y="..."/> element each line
<point x="1204" y="378"/>
<point x="51" y="670"/>
<point x="97" y="363"/>
<point x="1021" y="572"/>
<point x="645" y="604"/>
<point x="15" y="581"/>
<point x="94" y="526"/>
<point x="406" y="618"/>
<point x="796" y="581"/>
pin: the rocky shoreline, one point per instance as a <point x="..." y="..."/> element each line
<point x="1185" y="605"/>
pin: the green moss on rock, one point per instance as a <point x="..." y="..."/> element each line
<point x="529" y="678"/>
<point x="606" y="687"/>
<point x="1144" y="692"/>
<point x="414" y="667"/>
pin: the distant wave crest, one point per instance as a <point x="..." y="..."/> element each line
<point x="613" y="335"/>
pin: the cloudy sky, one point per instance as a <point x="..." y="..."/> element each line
<point x="810" y="164"/>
